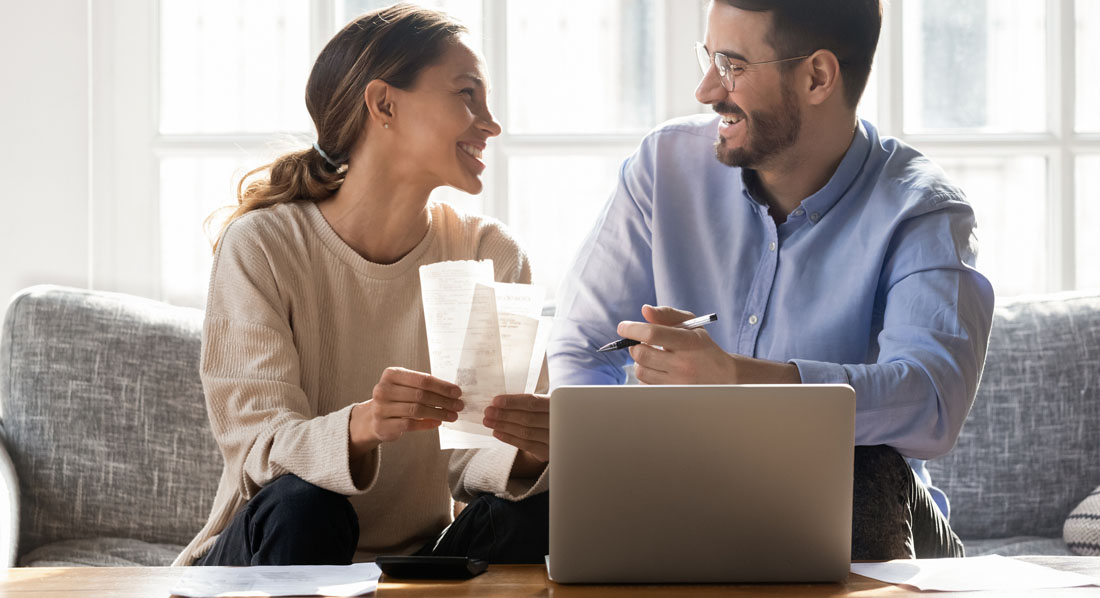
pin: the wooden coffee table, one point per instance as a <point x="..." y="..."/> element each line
<point x="504" y="581"/>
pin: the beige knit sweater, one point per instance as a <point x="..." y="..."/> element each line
<point x="299" y="328"/>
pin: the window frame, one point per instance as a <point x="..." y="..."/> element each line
<point x="127" y="147"/>
<point x="126" y="243"/>
<point x="1060" y="145"/>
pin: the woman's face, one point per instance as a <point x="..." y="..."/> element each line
<point x="442" y="123"/>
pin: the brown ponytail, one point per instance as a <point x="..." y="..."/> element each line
<point x="392" y="44"/>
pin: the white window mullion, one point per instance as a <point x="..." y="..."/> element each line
<point x="892" y="81"/>
<point x="679" y="25"/>
<point x="614" y="148"/>
<point x="322" y="26"/>
<point x="125" y="244"/>
<point x="496" y="55"/>
<point x="1062" y="30"/>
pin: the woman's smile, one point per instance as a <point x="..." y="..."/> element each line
<point x="473" y="155"/>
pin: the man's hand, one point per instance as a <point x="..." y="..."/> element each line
<point x="671" y="355"/>
<point x="522" y="421"/>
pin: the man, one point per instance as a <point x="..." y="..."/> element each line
<point x="830" y="254"/>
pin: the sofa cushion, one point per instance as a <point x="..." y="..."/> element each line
<point x="101" y="552"/>
<point x="1017" y="546"/>
<point x="1030" y="451"/>
<point x="1082" y="529"/>
<point x="104" y="417"/>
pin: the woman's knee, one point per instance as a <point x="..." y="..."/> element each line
<point x="499" y="530"/>
<point x="291" y="503"/>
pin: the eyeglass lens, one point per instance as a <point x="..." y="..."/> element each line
<point x="720" y="62"/>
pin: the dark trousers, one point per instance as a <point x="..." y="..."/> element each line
<point x="893" y="514"/>
<point x="291" y="521"/>
<point x="499" y="531"/>
<point x="288" y="522"/>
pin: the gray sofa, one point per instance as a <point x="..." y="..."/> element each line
<point x="112" y="463"/>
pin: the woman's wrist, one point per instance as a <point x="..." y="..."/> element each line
<point x="527" y="465"/>
<point x="361" y="441"/>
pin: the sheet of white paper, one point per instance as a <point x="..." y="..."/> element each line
<point x="482" y="335"/>
<point x="517" y="340"/>
<point x="538" y="353"/>
<point x="450" y="438"/>
<point x="480" y="366"/>
<point x="447" y="291"/>
<point x="519" y="307"/>
<point x="971" y="574"/>
<point x="521" y="299"/>
<point x="460" y="317"/>
<point x="302" y="580"/>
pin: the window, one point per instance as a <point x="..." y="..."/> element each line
<point x="575" y="86"/>
<point x="999" y="93"/>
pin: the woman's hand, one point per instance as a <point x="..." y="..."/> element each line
<point x="402" y="401"/>
<point x="522" y="421"/>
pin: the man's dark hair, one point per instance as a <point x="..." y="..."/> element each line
<point x="847" y="28"/>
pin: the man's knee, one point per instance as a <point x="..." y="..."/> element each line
<point x="881" y="509"/>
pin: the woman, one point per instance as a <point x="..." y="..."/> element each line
<point x="314" y="345"/>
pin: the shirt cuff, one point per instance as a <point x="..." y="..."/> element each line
<point x="820" y="372"/>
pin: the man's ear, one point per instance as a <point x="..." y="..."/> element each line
<point x="379" y="97"/>
<point x="824" y="77"/>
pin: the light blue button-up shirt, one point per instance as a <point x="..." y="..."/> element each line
<point x="869" y="282"/>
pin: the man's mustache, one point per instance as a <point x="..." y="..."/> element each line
<point x="727" y="108"/>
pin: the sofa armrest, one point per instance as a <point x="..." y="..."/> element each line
<point x="9" y="509"/>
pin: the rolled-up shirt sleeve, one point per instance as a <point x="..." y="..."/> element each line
<point x="611" y="277"/>
<point x="936" y="316"/>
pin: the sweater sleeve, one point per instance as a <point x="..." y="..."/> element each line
<point x="481" y="471"/>
<point x="264" y="423"/>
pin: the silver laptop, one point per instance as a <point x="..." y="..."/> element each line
<point x="694" y="484"/>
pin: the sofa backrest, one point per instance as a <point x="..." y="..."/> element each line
<point x="1030" y="450"/>
<point x="104" y="417"/>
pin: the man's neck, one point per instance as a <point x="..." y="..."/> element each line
<point x="805" y="168"/>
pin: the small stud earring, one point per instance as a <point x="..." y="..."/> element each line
<point x="385" y="125"/>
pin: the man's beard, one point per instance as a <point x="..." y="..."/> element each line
<point x="767" y="133"/>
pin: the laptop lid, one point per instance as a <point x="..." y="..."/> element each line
<point x="693" y="484"/>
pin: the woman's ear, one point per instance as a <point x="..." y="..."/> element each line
<point x="824" y="76"/>
<point x="379" y="98"/>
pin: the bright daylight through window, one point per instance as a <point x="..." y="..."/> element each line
<point x="978" y="85"/>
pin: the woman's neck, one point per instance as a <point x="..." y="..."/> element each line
<point x="377" y="215"/>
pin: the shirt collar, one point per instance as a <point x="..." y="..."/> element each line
<point x="825" y="198"/>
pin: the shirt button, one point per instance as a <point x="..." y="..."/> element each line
<point x="815" y="216"/>
<point x="798" y="212"/>
<point x="771" y="246"/>
<point x="753" y="319"/>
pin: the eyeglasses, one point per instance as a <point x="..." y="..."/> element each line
<point x="728" y="70"/>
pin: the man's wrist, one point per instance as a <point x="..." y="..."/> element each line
<point x="760" y="371"/>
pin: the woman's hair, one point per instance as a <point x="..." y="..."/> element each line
<point x="392" y="44"/>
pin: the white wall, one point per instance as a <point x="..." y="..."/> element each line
<point x="44" y="148"/>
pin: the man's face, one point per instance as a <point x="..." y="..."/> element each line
<point x="761" y="117"/>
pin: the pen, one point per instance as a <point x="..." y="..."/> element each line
<point x="623" y="343"/>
